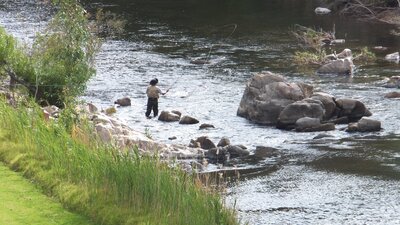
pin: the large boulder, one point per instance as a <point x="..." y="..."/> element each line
<point x="306" y="108"/>
<point x="267" y="94"/>
<point x="328" y="102"/>
<point x="352" y="109"/>
<point x="340" y="66"/>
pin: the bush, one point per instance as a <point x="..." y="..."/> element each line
<point x="61" y="60"/>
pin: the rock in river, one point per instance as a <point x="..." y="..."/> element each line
<point x="267" y="94"/>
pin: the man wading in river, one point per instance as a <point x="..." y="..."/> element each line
<point x="153" y="93"/>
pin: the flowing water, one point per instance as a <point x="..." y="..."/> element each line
<point x="343" y="179"/>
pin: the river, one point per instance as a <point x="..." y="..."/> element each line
<point x="348" y="178"/>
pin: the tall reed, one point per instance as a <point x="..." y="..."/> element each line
<point x="109" y="186"/>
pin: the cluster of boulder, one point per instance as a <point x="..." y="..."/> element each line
<point x="174" y="116"/>
<point x="270" y="100"/>
<point x="114" y="132"/>
<point x="224" y="150"/>
<point x="110" y="130"/>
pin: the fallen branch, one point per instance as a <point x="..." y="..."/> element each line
<point x="14" y="79"/>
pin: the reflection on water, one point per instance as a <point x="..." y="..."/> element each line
<point x="303" y="195"/>
<point x="342" y="179"/>
<point x="368" y="156"/>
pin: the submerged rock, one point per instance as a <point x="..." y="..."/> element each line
<point x="321" y="136"/>
<point x="206" y="126"/>
<point x="364" y="125"/>
<point x="393" y="94"/>
<point x="266" y="152"/>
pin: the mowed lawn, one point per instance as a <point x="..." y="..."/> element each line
<point x="22" y="203"/>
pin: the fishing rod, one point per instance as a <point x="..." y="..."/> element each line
<point x="233" y="31"/>
<point x="234" y="25"/>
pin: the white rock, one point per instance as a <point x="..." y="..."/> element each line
<point x="321" y="10"/>
<point x="338" y="41"/>
<point x="394" y="57"/>
<point x="346" y="53"/>
<point x="104" y="132"/>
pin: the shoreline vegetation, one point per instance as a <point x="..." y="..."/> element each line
<point x="101" y="182"/>
<point x="385" y="11"/>
<point x="314" y="42"/>
<point x="65" y="159"/>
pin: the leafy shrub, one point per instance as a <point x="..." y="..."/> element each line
<point x="61" y="60"/>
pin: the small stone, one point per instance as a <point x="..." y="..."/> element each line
<point x="123" y="101"/>
<point x="110" y="111"/>
<point x="393" y="94"/>
<point x="224" y="142"/>
<point x="188" y="120"/>
<point x="206" y="126"/>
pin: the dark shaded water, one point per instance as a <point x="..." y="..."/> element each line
<point x="344" y="179"/>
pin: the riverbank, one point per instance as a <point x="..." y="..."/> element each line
<point x="103" y="183"/>
<point x="23" y="203"/>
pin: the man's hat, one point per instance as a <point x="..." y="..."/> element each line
<point x="153" y="82"/>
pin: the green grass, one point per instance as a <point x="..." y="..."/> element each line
<point x="105" y="184"/>
<point x="21" y="203"/>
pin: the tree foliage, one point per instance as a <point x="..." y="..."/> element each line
<point x="61" y="59"/>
